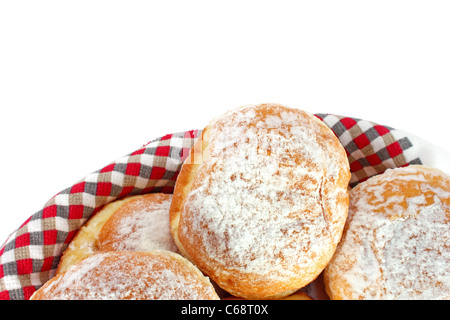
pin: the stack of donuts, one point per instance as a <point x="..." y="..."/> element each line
<point x="262" y="209"/>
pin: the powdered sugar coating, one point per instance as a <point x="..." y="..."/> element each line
<point x="157" y="275"/>
<point x="140" y="225"/>
<point x="396" y="244"/>
<point x="269" y="198"/>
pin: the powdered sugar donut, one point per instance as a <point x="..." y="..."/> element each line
<point x="261" y="201"/>
<point x="396" y="243"/>
<point x="127" y="275"/>
<point x="139" y="225"/>
<point x="135" y="223"/>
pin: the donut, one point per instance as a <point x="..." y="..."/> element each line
<point x="260" y="203"/>
<point x="396" y="242"/>
<point x="135" y="223"/>
<point x="129" y="275"/>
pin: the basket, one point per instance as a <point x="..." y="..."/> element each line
<point x="30" y="255"/>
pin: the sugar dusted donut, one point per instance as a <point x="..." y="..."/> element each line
<point x="139" y="225"/>
<point x="396" y="243"/>
<point x="129" y="275"/>
<point x="261" y="201"/>
<point x="135" y="223"/>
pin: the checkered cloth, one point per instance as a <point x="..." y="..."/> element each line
<point x="30" y="255"/>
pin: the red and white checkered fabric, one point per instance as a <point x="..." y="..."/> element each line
<point x="30" y="255"/>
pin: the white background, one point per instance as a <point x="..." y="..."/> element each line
<point x="83" y="83"/>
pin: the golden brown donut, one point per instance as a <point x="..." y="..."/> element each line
<point x="135" y="223"/>
<point x="261" y="201"/>
<point x="396" y="243"/>
<point x="129" y="275"/>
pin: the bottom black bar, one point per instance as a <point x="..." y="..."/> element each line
<point x="224" y="309"/>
